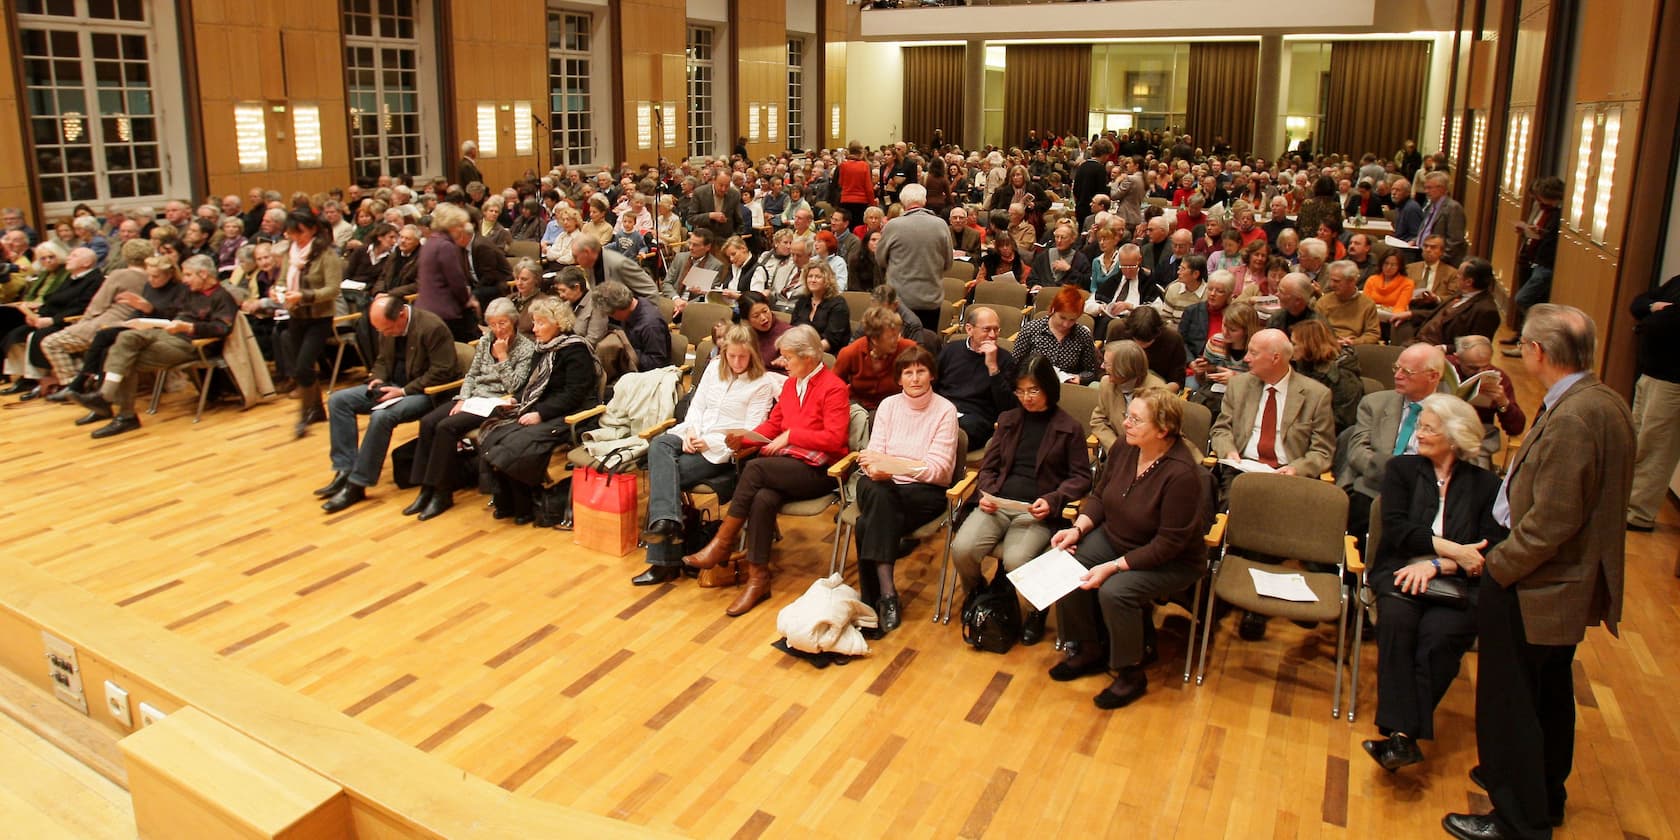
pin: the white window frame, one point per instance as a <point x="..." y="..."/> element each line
<point x="167" y="100"/>
<point x="600" y="93"/>
<point x="429" y="129"/>
<point x="796" y="119"/>
<point x="702" y="140"/>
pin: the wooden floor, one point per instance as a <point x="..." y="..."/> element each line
<point x="533" y="664"/>
<point x="46" y="793"/>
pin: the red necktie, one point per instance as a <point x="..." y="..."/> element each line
<point x="1268" y="430"/>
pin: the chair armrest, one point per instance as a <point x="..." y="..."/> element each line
<point x="351" y="318"/>
<point x="444" y="388"/>
<point x="1070" y="511"/>
<point x="1354" y="563"/>
<point x="1209" y="461"/>
<point x="70" y="319"/>
<point x="843" y="467"/>
<point x="1328" y="477"/>
<point x="656" y="430"/>
<point x="574" y="419"/>
<point x="1215" y="532"/>
<point x="202" y="343"/>
<point x="960" y="491"/>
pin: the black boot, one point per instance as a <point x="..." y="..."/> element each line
<point x="1032" y="627"/>
<point x="441" y="501"/>
<point x="310" y="410"/>
<point x="331" y="488"/>
<point x="502" y="497"/>
<point x="420" y="501"/>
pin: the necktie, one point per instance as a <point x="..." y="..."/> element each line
<point x="1427" y="272"/>
<point x="1267" y="448"/>
<point x="1407" y="427"/>
<point x="1427" y="221"/>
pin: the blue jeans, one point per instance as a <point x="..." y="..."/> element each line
<point x="1536" y="289"/>
<point x="365" y="462"/>
<point x="671" y="471"/>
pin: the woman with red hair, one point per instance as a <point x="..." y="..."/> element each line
<point x="826" y="247"/>
<point x="1062" y="339"/>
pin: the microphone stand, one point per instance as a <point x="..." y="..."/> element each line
<point x="541" y="172"/>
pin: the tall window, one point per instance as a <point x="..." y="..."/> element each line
<point x="702" y="128"/>
<point x="382" y="70"/>
<point x="87" y="78"/>
<point x="796" y="93"/>
<point x="571" y="108"/>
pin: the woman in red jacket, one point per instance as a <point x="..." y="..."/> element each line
<point x="857" y="190"/>
<point x="804" y="434"/>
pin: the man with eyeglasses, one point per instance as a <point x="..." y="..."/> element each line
<point x="1387" y="427"/>
<point x="976" y="376"/>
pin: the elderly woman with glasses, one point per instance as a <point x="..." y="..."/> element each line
<point x="1139" y="534"/>
<point x="1036" y="466"/>
<point x="1437" y="526"/>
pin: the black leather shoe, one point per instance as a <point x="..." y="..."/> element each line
<point x="94" y="402"/>
<point x="18" y="387"/>
<point x="1080" y="664"/>
<point x="62" y="395"/>
<point x="1394" y="752"/>
<point x="439" y="503"/>
<point x="420" y="501"/>
<point x="666" y="529"/>
<point x="1641" y="529"/>
<point x="124" y="423"/>
<point x="656" y="575"/>
<point x="34" y="393"/>
<point x="888" y="610"/>
<point x="1131" y="684"/>
<point x="1032" y="627"/>
<point x="1476" y="777"/>
<point x="524" y="519"/>
<point x="345" y="497"/>
<point x="1252" y="628"/>
<point x="1474" y="827"/>
<point x="339" y="479"/>
<point x="91" y="418"/>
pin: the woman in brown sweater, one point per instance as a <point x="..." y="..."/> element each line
<point x="1140" y="535"/>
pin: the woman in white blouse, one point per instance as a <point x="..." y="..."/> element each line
<point x="560" y="250"/>
<point x="736" y="392"/>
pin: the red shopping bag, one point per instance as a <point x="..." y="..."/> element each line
<point x="606" y="509"/>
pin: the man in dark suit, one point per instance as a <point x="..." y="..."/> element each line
<point x="1444" y="216"/>
<point x="1155" y="247"/>
<point x="1091" y="178"/>
<point x="1387" y="427"/>
<point x="487" y="267"/>
<point x="1559" y="572"/>
<point x="1061" y="264"/>
<point x="717" y="208"/>
<point x="1473" y="312"/>
<point x="416" y="351"/>
<point x="466" y="172"/>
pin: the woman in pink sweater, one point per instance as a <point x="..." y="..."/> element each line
<point x="907" y="467"/>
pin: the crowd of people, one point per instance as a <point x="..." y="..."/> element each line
<point x="1158" y="276"/>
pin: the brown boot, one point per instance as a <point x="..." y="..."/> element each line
<point x="756" y="590"/>
<point x="718" y="549"/>
<point x="310" y="410"/>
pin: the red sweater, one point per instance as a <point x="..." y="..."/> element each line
<point x="872" y="380"/>
<point x="855" y="186"/>
<point x="818" y="423"/>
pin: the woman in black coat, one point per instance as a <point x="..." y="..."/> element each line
<point x="1437" y="522"/>
<point x="516" y="442"/>
<point x="70" y="298"/>
<point x="822" y="307"/>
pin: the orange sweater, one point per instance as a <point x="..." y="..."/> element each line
<point x="1396" y="295"/>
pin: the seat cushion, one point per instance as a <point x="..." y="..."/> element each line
<point x="1235" y="586"/>
<point x="810" y="507"/>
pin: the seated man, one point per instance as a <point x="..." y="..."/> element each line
<point x="698" y="255"/>
<point x="1351" y="315"/>
<point x="977" y="377"/>
<point x="1278" y="417"/>
<point x="965" y="238"/>
<point x="416" y="351"/>
<point x="1295" y="295"/>
<point x="1473" y="312"/>
<point x="1495" y="401"/>
<point x="1387" y="427"/>
<point x="208" y="313"/>
<point x="110" y="307"/>
<point x="866" y="365"/>
<point x="639" y="339"/>
<point x="1165" y="348"/>
<point x="1434" y="281"/>
<point x="1061" y="264"/>
<point x="600" y="266"/>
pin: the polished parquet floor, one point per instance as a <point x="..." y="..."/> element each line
<point x="533" y="664"/>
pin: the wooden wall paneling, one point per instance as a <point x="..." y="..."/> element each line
<point x="16" y="189"/>
<point x="652" y="39"/>
<point x="1483" y="58"/>
<point x="500" y="57"/>
<point x="761" y="41"/>
<point x="840" y="24"/>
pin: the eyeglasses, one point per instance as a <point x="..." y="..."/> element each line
<point x="1028" y="393"/>
<point x="1133" y="420"/>
<point x="1399" y="368"/>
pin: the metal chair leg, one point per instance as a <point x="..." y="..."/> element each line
<point x="1207" y="626"/>
<point x="942" y="602"/>
<point x="1341" y="647"/>
<point x="1358" y="643"/>
<point x="157" y="390"/>
<point x="338" y="360"/>
<point x="204" y="392"/>
<point x="1190" y="640"/>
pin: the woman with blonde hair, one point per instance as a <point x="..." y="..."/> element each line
<point x="822" y="307"/>
<point x="570" y="224"/>
<point x="1223" y="356"/>
<point x="735" y="392"/>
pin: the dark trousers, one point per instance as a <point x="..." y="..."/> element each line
<point x="303" y="342"/>
<point x="1359" y="524"/>
<point x="465" y="329"/>
<point x="889" y="512"/>
<point x="929" y="317"/>
<point x="434" y="455"/>
<point x="1419" y="647"/>
<point x="485" y="294"/>
<point x="93" y="358"/>
<point x="1121" y="604"/>
<point x="767" y="483"/>
<point x="1525" y="716"/>
<point x="978" y="429"/>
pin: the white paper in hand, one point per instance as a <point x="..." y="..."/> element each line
<point x="699" y="279"/>
<point x="480" y="406"/>
<point x="1247" y="465"/>
<point x="1285" y="586"/>
<point x="1393" y="241"/>
<point x="1044" y="579"/>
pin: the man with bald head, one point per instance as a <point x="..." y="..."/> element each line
<point x="1387" y="427"/>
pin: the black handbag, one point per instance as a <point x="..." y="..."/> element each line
<point x="1443" y="591"/>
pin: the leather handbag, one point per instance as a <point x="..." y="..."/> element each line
<point x="1443" y="591"/>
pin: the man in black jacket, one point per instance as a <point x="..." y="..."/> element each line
<point x="977" y="378"/>
<point x="1090" y="179"/>
<point x="1656" y="401"/>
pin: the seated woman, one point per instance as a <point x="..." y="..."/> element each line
<point x="806" y="432"/>
<point x="517" y="440"/>
<point x="525" y="290"/>
<point x="588" y="320"/>
<point x="907" y="468"/>
<point x="1039" y="458"/>
<point x="826" y="248"/>
<point x="753" y="309"/>
<point x="822" y="307"/>
<point x="865" y="273"/>
<point x="499" y="370"/>
<point x="1224" y="356"/>
<point x="869" y="365"/>
<point x="735" y="392"/>
<point x="1320" y="358"/>
<point x="1390" y="287"/>
<point x="1437" y="521"/>
<point x="1140" y="535"/>
<point x="1125" y="373"/>
<point x="1062" y="339"/>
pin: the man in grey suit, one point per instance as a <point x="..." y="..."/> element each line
<point x="718" y="208"/>
<point x="699" y="255"/>
<point x="1443" y="216"/>
<point x="1275" y="416"/>
<point x="1559" y="572"/>
<point x="1387" y="427"/>
<point x="600" y="265"/>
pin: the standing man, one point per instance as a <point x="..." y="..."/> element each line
<point x="1656" y="401"/>
<point x="717" y="209"/>
<point x="466" y="171"/>
<point x="1444" y="217"/>
<point x="1559" y="571"/>
<point x="914" y="253"/>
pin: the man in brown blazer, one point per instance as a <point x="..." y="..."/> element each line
<point x="1559" y="572"/>
<point x="1434" y="277"/>
<point x="1472" y="312"/>
<point x="717" y="208"/>
<point x="1304" y="439"/>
